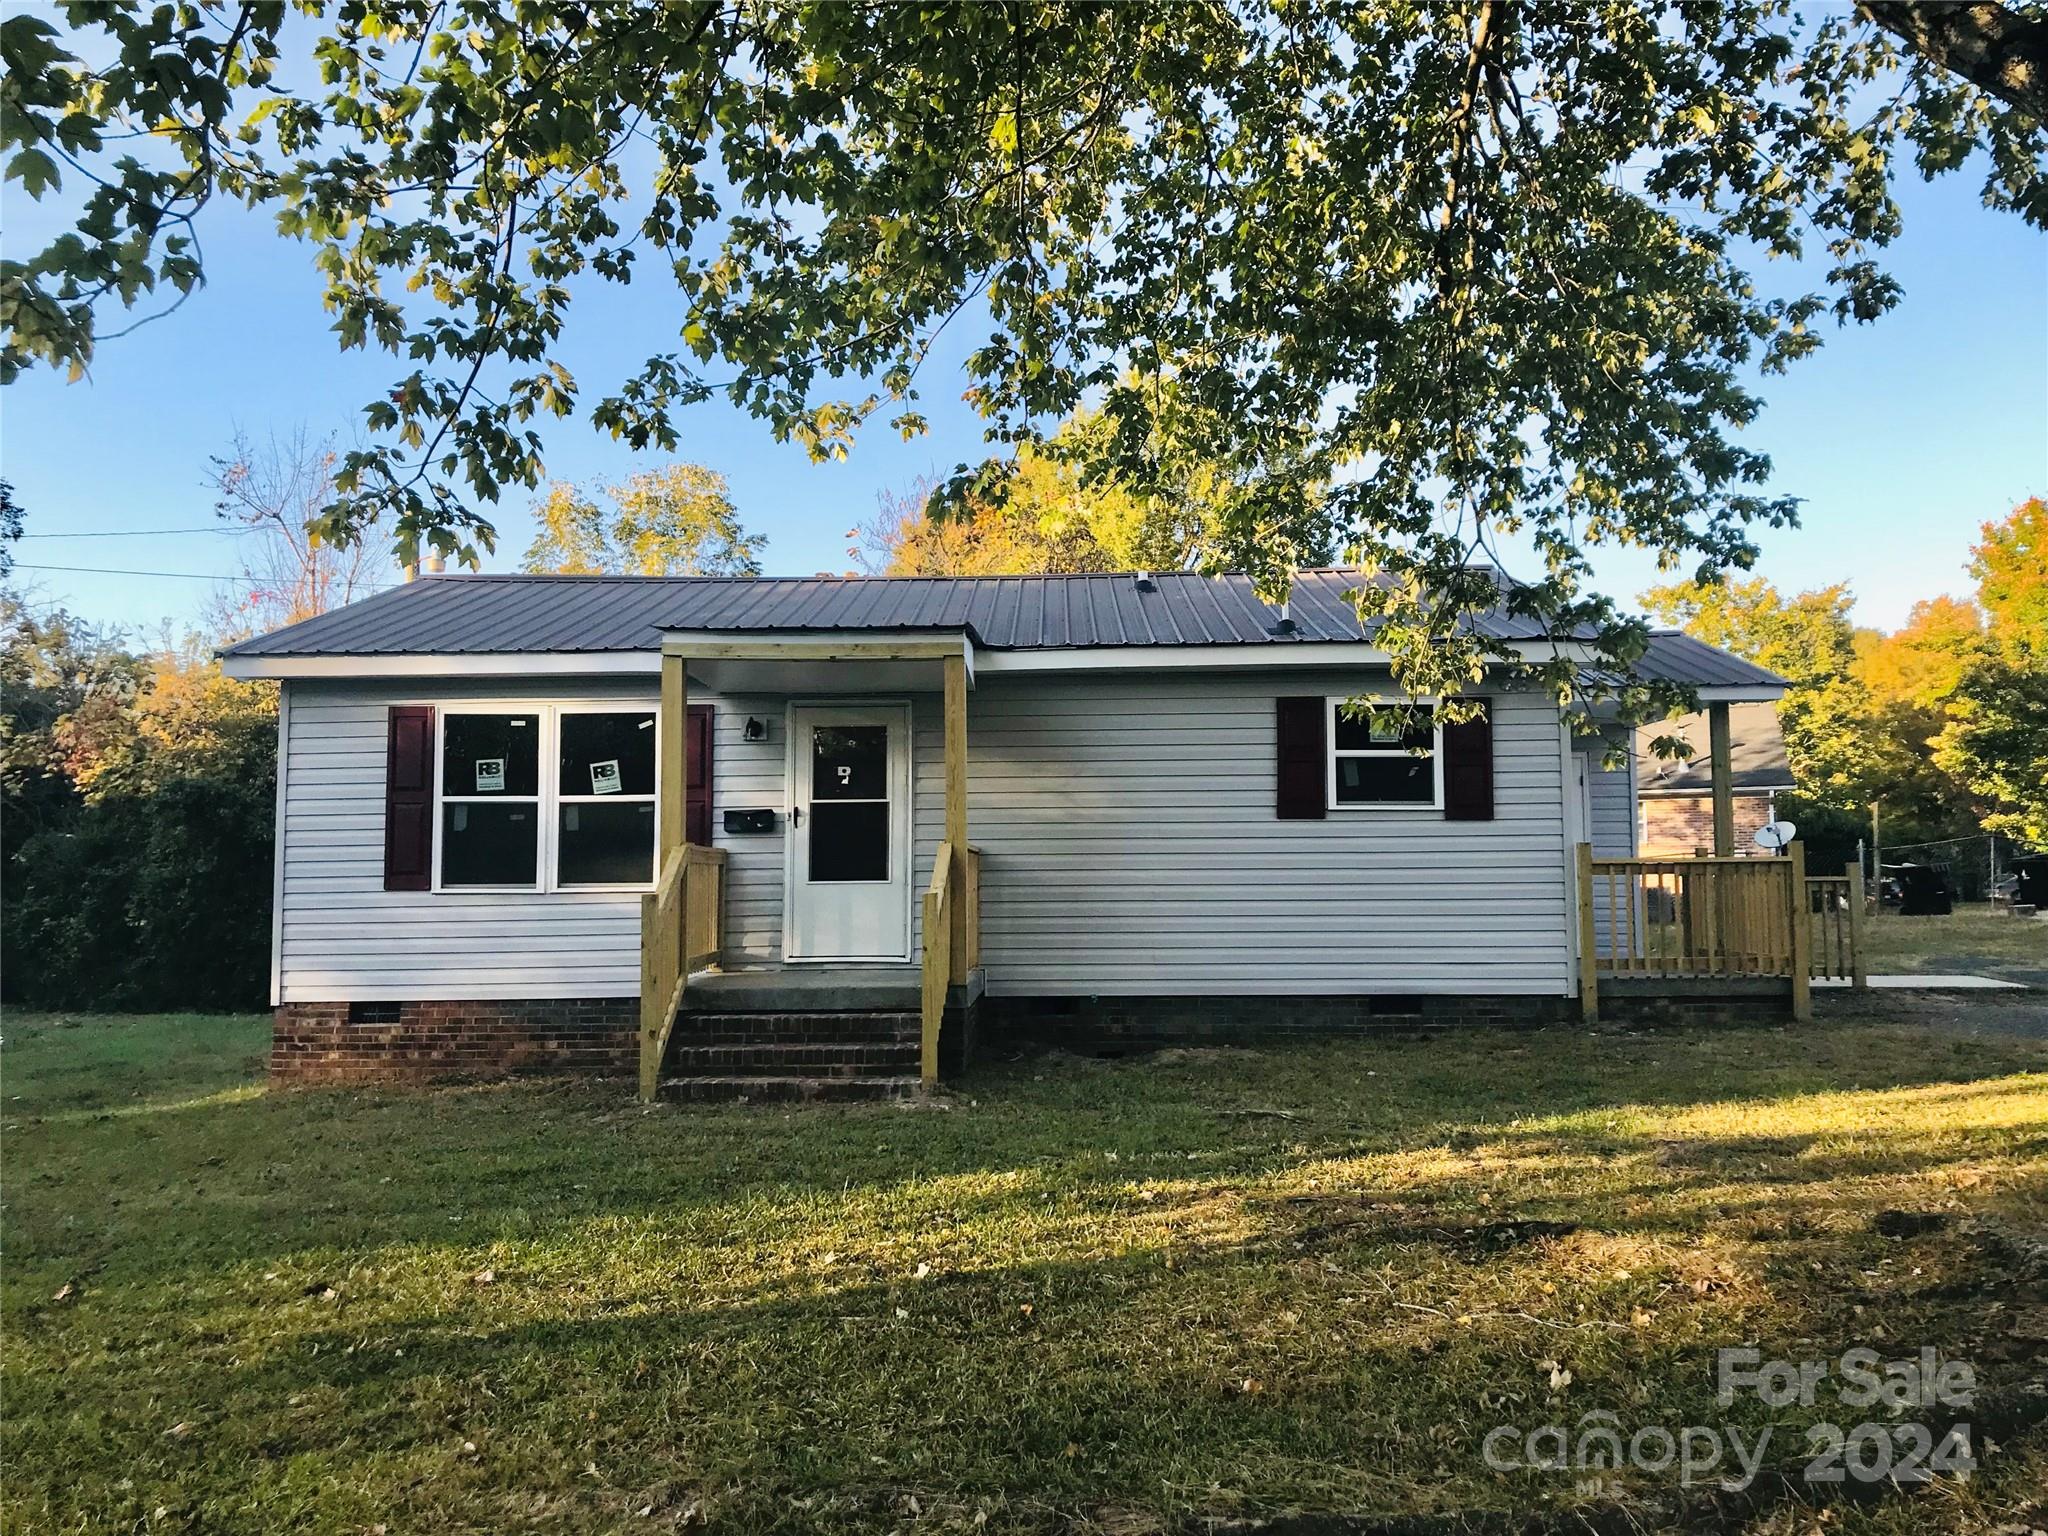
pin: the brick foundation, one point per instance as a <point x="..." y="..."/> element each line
<point x="421" y="1042"/>
<point x="1652" y="1002"/>
<point x="1090" y="1023"/>
<point x="425" y="1042"/>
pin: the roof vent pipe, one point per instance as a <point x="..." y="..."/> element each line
<point x="1144" y="583"/>
<point x="434" y="564"/>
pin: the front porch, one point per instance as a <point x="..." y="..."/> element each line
<point x="842" y="1028"/>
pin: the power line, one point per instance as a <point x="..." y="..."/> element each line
<point x="106" y="570"/>
<point x="1941" y="842"/>
<point x="130" y="533"/>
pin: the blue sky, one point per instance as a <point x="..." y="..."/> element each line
<point x="1902" y="437"/>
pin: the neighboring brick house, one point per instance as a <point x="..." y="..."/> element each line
<point x="1677" y="802"/>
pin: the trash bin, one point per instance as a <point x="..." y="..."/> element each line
<point x="1923" y="890"/>
<point x="2030" y="880"/>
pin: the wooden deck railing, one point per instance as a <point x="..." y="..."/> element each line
<point x="682" y="929"/>
<point x="1703" y="919"/>
<point x="1834" y="908"/>
<point x="952" y="940"/>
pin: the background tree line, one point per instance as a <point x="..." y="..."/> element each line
<point x="1942" y="723"/>
<point x="139" y="783"/>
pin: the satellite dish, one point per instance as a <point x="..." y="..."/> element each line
<point x="1775" y="835"/>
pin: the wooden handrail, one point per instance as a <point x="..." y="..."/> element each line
<point x="969" y="957"/>
<point x="682" y="929"/>
<point x="1687" y="862"/>
<point x="938" y="959"/>
<point x="1834" y="909"/>
<point x="955" y="891"/>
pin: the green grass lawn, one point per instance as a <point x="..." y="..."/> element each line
<point x="1101" y="1295"/>
<point x="1971" y="940"/>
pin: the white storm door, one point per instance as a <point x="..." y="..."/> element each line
<point x="849" y="877"/>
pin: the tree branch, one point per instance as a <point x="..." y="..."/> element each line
<point x="1994" y="48"/>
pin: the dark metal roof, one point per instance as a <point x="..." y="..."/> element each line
<point x="1675" y="657"/>
<point x="483" y="615"/>
<point x="1756" y="753"/>
<point x="456" y="615"/>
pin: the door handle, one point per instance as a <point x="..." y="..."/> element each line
<point x="796" y="816"/>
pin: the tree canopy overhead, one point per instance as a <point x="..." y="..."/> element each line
<point x="1474" y="271"/>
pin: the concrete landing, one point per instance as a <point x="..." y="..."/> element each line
<point x="1932" y="984"/>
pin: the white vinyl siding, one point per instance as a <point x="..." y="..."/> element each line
<point x="1130" y="847"/>
<point x="343" y="937"/>
<point x="1613" y="795"/>
<point x="747" y="776"/>
<point x="1129" y="841"/>
<point x="1611" y="800"/>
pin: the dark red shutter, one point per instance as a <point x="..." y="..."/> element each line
<point x="1303" y="759"/>
<point x="409" y="799"/>
<point x="697" y="776"/>
<point x="1468" y="769"/>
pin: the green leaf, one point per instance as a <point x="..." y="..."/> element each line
<point x="36" y="172"/>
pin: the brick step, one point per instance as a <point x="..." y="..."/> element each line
<point x="726" y="1089"/>
<point x="797" y="1028"/>
<point x="687" y="1057"/>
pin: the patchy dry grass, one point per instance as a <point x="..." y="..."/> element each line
<point x="1107" y="1295"/>
<point x="1971" y="940"/>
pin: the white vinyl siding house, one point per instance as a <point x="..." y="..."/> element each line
<point x="1611" y="793"/>
<point x="1128" y="838"/>
<point x="1161" y="797"/>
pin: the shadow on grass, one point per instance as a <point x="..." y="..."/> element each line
<point x="1217" y="1355"/>
<point x="1219" y="1283"/>
<point x="233" y="1177"/>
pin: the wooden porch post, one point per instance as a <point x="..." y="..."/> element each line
<point x="1859" y="972"/>
<point x="1724" y="780"/>
<point x="956" y="802"/>
<point x="1589" y="967"/>
<point x="1802" y="936"/>
<point x="664" y="946"/>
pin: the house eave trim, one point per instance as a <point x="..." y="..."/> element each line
<point x="1271" y="655"/>
<point x="816" y="646"/>
<point x="457" y="664"/>
<point x="1754" y="693"/>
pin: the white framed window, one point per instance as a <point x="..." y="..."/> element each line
<point x="546" y="797"/>
<point x="607" y="764"/>
<point x="1379" y="761"/>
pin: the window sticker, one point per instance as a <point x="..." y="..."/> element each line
<point x="604" y="777"/>
<point x="490" y="774"/>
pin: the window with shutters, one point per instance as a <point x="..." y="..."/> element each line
<point x="546" y="797"/>
<point x="1385" y="759"/>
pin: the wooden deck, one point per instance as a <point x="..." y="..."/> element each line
<point x="1714" y="926"/>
